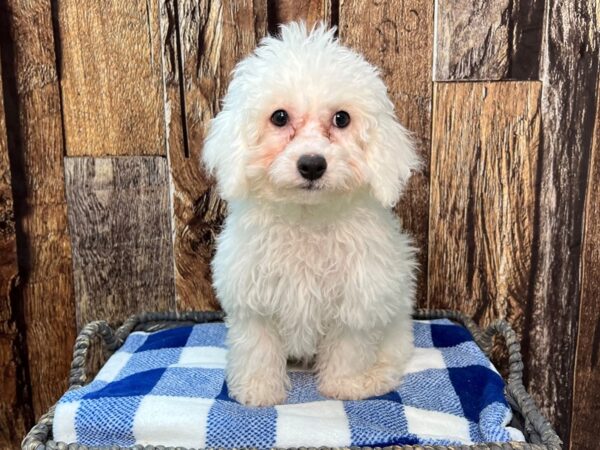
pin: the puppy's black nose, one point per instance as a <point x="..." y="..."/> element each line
<point x="312" y="167"/>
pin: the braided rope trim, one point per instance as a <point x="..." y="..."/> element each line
<point x="537" y="428"/>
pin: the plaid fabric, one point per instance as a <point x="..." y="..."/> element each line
<point x="168" y="388"/>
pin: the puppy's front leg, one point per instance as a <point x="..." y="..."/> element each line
<point x="357" y="364"/>
<point x="343" y="356"/>
<point x="256" y="362"/>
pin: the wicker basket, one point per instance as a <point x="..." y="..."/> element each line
<point x="538" y="431"/>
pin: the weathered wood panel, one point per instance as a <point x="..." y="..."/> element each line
<point x="198" y="57"/>
<point x="526" y="49"/>
<point x="397" y="36"/>
<point x="111" y="77"/>
<point x="121" y="236"/>
<point x="35" y="145"/>
<point x="488" y="40"/>
<point x="13" y="407"/>
<point x="484" y="163"/>
<point x="571" y="53"/>
<point x="586" y="384"/>
<point x="311" y="12"/>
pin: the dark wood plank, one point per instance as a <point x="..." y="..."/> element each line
<point x="479" y="40"/>
<point x="119" y="218"/>
<point x="527" y="33"/>
<point x="586" y="384"/>
<point x="35" y="145"/>
<point x="483" y="170"/>
<point x="13" y="402"/>
<point x="311" y="12"/>
<point x="111" y="78"/>
<point x="397" y="36"/>
<point x="213" y="37"/>
<point x="570" y="58"/>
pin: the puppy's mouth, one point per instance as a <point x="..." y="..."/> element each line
<point x="311" y="186"/>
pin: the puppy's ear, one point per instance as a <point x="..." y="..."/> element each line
<point x="391" y="158"/>
<point x="224" y="154"/>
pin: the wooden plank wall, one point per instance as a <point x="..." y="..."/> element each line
<point x="120" y="226"/>
<point x="482" y="210"/>
<point x="496" y="40"/>
<point x="35" y="146"/>
<point x="111" y="81"/>
<point x="105" y="112"/>
<point x="587" y="363"/>
<point x="569" y="72"/>
<point x="545" y="294"/>
<point x="13" y="409"/>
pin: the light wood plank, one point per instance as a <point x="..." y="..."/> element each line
<point x="121" y="235"/>
<point x="571" y="52"/>
<point x="483" y="167"/>
<point x="397" y="37"/>
<point x="493" y="40"/>
<point x="111" y="77"/>
<point x="45" y="292"/>
<point x="214" y="35"/>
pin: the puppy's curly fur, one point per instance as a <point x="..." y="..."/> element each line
<point x="312" y="267"/>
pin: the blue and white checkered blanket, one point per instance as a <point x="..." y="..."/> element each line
<point x="167" y="388"/>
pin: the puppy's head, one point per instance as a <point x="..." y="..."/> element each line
<point x="306" y="120"/>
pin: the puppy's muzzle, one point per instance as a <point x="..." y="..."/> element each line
<point x="312" y="167"/>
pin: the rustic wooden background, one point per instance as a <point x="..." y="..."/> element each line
<point x="104" y="210"/>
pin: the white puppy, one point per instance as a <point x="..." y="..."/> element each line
<point x="311" y="264"/>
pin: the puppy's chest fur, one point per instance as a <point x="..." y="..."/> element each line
<point x="302" y="275"/>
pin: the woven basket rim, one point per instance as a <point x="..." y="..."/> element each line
<point x="537" y="427"/>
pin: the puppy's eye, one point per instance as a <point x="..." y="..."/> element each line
<point x="279" y="118"/>
<point x="341" y="119"/>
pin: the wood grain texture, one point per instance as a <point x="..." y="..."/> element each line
<point x="121" y="236"/>
<point x="45" y="292"/>
<point x="571" y="53"/>
<point x="527" y="33"/>
<point x="484" y="163"/>
<point x="586" y="384"/>
<point x="311" y="12"/>
<point x="111" y="77"/>
<point x="13" y="407"/>
<point x="483" y="40"/>
<point x="397" y="36"/>
<point x="197" y="60"/>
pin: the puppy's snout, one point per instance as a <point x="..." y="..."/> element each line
<point x="312" y="167"/>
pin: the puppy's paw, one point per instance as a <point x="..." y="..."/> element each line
<point x="259" y="390"/>
<point x="342" y="389"/>
<point x="372" y="383"/>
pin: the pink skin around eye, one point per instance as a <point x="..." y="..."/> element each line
<point x="273" y="140"/>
